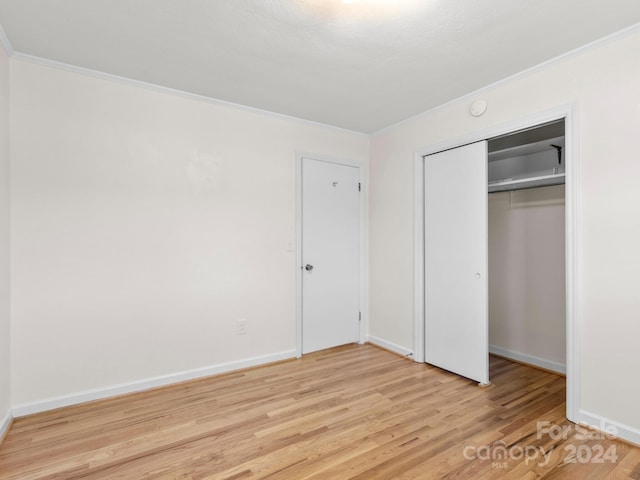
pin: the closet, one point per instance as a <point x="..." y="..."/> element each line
<point x="494" y="251"/>
<point x="526" y="247"/>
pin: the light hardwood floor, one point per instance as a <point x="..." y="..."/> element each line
<point x="353" y="412"/>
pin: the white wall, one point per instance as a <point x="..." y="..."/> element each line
<point x="143" y="226"/>
<point x="527" y="275"/>
<point x="5" y="375"/>
<point x="603" y="82"/>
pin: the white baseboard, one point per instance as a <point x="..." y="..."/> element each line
<point x="605" y="425"/>
<point x="5" y="424"/>
<point x="161" y="381"/>
<point x="390" y="346"/>
<point x="530" y="359"/>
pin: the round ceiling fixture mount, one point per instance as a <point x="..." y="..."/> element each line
<point x="478" y="108"/>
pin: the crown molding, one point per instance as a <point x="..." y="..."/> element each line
<point x="174" y="92"/>
<point x="202" y="98"/>
<point x="6" y="44"/>
<point x="635" y="28"/>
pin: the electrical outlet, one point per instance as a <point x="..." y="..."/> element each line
<point x="241" y="326"/>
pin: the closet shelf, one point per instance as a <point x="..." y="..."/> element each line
<point x="528" y="182"/>
<point x="528" y="149"/>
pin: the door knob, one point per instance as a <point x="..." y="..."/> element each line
<point x="308" y="267"/>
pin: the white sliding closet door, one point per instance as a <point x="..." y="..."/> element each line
<point x="456" y="305"/>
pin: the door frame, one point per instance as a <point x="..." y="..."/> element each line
<point x="298" y="245"/>
<point x="572" y="241"/>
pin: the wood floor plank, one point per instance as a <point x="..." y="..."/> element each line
<point x="353" y="412"/>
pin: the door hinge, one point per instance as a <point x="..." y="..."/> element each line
<point x="359" y="316"/>
<point x="359" y="187"/>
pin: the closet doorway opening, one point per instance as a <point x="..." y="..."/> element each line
<point x="526" y="247"/>
<point x="529" y="271"/>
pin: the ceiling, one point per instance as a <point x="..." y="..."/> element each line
<point x="356" y="64"/>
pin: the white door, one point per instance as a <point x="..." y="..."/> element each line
<point x="330" y="254"/>
<point x="456" y="305"/>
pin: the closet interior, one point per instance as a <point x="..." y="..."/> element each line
<point x="526" y="219"/>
